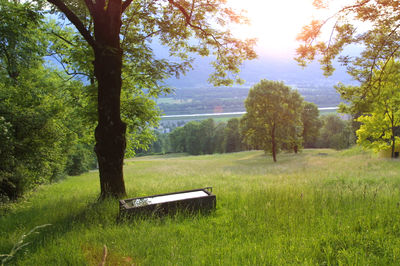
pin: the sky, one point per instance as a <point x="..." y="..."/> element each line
<point x="276" y="23"/>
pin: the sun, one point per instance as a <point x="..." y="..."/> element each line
<point x="274" y="23"/>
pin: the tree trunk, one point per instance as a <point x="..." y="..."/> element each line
<point x="273" y="142"/>
<point x="110" y="131"/>
<point x="393" y="141"/>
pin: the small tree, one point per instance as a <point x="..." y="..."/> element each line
<point x="273" y="117"/>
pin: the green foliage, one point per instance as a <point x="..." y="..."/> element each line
<point x="206" y="137"/>
<point x="335" y="133"/>
<point x="43" y="119"/>
<point x="177" y="140"/>
<point x="42" y="129"/>
<point x="193" y="134"/>
<point x="378" y="126"/>
<point x="372" y="25"/>
<point x="80" y="159"/>
<point x="311" y="124"/>
<point x="22" y="43"/>
<point x="273" y="119"/>
<point x="377" y="37"/>
<point x="232" y="139"/>
<point x="138" y="108"/>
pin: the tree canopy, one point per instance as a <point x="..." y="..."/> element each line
<point x="273" y="118"/>
<point x="371" y="25"/>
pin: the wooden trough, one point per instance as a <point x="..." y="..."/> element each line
<point x="192" y="201"/>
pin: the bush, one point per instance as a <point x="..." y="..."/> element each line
<point x="82" y="160"/>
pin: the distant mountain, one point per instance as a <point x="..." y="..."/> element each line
<point x="280" y="69"/>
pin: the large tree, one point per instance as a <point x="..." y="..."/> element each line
<point x="175" y="23"/>
<point x="273" y="117"/>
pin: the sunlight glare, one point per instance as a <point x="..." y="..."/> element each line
<point x="275" y="24"/>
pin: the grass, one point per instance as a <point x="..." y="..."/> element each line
<point x="319" y="207"/>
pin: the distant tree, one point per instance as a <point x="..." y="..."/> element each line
<point x="232" y="141"/>
<point x="294" y="140"/>
<point x="175" y="24"/>
<point x="193" y="138"/>
<point x="219" y="135"/>
<point x="311" y="124"/>
<point x="273" y="114"/>
<point x="336" y="133"/>
<point x="379" y="125"/>
<point x="206" y="140"/>
<point x="177" y="140"/>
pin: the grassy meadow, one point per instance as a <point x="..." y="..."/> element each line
<point x="319" y="207"/>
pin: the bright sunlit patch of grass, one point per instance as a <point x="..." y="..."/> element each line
<point x="317" y="207"/>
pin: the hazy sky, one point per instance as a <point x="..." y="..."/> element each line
<point x="276" y="23"/>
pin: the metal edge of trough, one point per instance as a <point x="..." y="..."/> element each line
<point x="202" y="204"/>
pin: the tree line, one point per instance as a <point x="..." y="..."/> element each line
<point x="297" y="125"/>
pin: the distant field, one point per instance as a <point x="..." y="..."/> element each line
<point x="319" y="207"/>
<point x="171" y="100"/>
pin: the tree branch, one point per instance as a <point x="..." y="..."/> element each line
<point x="125" y="5"/>
<point x="61" y="37"/>
<point x="74" y="20"/>
<point x="188" y="18"/>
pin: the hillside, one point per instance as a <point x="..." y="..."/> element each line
<point x="317" y="207"/>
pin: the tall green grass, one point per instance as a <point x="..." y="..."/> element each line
<point x="318" y="207"/>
